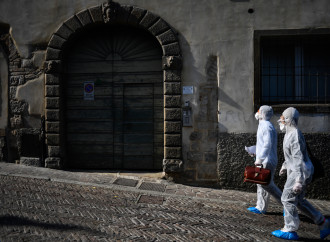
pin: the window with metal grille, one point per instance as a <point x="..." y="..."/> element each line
<point x="292" y="69"/>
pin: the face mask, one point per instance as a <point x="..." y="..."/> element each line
<point x="257" y="116"/>
<point x="282" y="127"/>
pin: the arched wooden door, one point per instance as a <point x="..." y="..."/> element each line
<point x="122" y="126"/>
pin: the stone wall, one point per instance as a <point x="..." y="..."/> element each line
<point x="25" y="102"/>
<point x="232" y="159"/>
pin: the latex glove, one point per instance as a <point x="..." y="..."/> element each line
<point x="282" y="171"/>
<point x="258" y="162"/>
<point x="297" y="187"/>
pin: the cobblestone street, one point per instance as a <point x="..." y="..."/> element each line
<point x="39" y="204"/>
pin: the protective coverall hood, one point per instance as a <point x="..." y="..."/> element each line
<point x="291" y="116"/>
<point x="266" y="112"/>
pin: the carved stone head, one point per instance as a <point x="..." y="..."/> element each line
<point x="109" y="11"/>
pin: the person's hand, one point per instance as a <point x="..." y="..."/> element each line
<point x="258" y="162"/>
<point x="282" y="171"/>
<point x="297" y="187"/>
<point x="252" y="155"/>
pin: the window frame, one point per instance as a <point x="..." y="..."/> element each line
<point x="258" y="35"/>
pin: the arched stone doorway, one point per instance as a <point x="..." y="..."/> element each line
<point x="113" y="14"/>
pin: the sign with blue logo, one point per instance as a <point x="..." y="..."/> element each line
<point x="88" y="90"/>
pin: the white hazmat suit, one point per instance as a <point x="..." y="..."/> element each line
<point x="266" y="154"/>
<point x="299" y="173"/>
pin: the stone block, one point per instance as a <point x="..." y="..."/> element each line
<point x="54" y="151"/>
<point x="96" y="13"/>
<point x="172" y="114"/>
<point x="148" y="20"/>
<point x="73" y="23"/>
<point x="172" y="127"/>
<point x="64" y="32"/>
<point x="53" y="54"/>
<point x="159" y="27"/>
<point x="52" y="79"/>
<point x="16" y="122"/>
<point x="53" y="67"/>
<point x="195" y="136"/>
<point x="167" y="38"/>
<point x="206" y="171"/>
<point x="52" y="102"/>
<point x="52" y="115"/>
<point x="172" y="101"/>
<point x="171" y="49"/>
<point x="53" y="163"/>
<point x="172" y="140"/>
<point x="56" y="42"/>
<point x="195" y="156"/>
<point x="210" y="157"/>
<point x="172" y="63"/>
<point x="52" y="90"/>
<point x="172" y="75"/>
<point x="53" y="139"/>
<point x="30" y="161"/>
<point x="136" y="15"/>
<point x="172" y="165"/>
<point x="172" y="88"/>
<point x="52" y="127"/>
<point x="172" y="152"/>
<point x="18" y="107"/>
<point x="17" y="80"/>
<point x="84" y="17"/>
<point x="12" y="92"/>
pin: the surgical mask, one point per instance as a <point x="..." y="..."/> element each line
<point x="282" y="127"/>
<point x="257" y="116"/>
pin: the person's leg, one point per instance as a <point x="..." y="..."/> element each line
<point x="290" y="201"/>
<point x="273" y="190"/>
<point x="291" y="219"/>
<point x="262" y="198"/>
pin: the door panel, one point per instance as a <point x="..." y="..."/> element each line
<point x="122" y="128"/>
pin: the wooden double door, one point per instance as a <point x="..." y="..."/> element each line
<point x="114" y="100"/>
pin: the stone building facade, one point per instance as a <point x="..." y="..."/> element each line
<point x="175" y="84"/>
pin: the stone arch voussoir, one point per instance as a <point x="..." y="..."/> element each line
<point x="111" y="12"/>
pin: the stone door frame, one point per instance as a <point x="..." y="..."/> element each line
<point x="113" y="13"/>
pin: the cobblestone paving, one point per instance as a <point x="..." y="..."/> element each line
<point x="45" y="209"/>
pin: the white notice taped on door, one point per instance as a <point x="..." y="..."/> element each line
<point x="88" y="90"/>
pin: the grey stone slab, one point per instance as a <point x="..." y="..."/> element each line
<point x="152" y="186"/>
<point x="126" y="182"/>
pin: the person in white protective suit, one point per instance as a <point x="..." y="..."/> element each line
<point x="266" y="154"/>
<point x="299" y="169"/>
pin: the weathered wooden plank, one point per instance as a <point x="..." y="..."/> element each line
<point x="139" y="114"/>
<point x="91" y="149"/>
<point x="90" y="127"/>
<point x="145" y="127"/>
<point x="73" y="103"/>
<point x="138" y="90"/>
<point x="115" y="66"/>
<point x="79" y="91"/>
<point x="136" y="149"/>
<point x="138" y="139"/>
<point x="89" y="114"/>
<point x="90" y="138"/>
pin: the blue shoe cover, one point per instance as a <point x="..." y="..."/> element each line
<point x="255" y="210"/>
<point x="324" y="233"/>
<point x="285" y="235"/>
